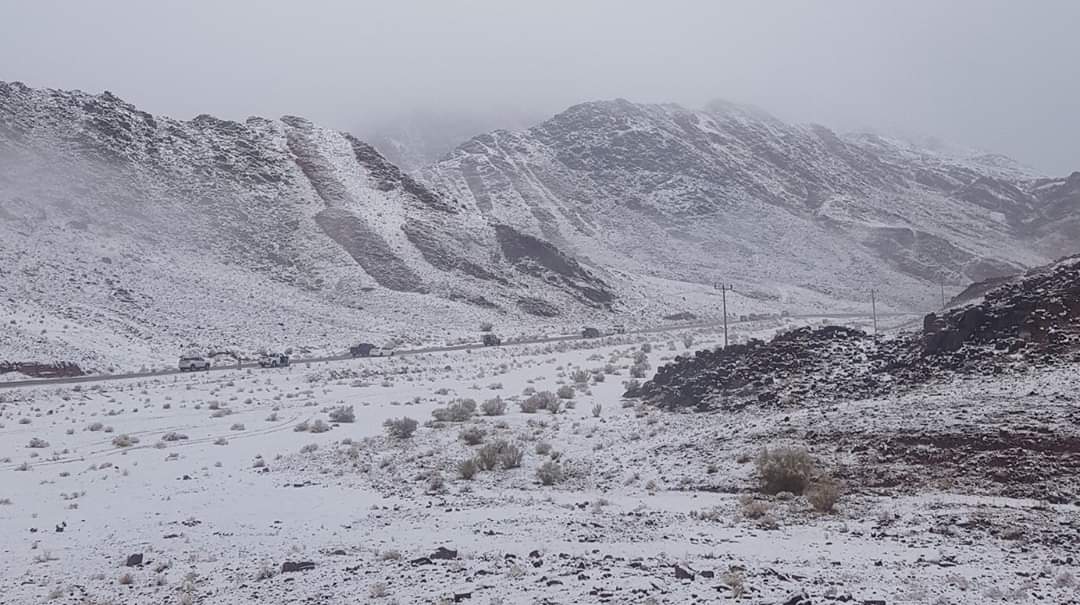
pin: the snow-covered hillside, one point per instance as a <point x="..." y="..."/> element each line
<point x="126" y="235"/>
<point x="730" y="193"/>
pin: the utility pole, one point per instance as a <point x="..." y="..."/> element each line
<point x="873" y="309"/>
<point x="723" y="296"/>
<point x="942" y="293"/>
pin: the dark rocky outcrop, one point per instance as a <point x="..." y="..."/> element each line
<point x="1033" y="319"/>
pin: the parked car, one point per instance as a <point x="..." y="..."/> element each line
<point x="491" y="340"/>
<point x="590" y="333"/>
<point x="191" y="363"/>
<point x="380" y="352"/>
<point x="274" y="360"/>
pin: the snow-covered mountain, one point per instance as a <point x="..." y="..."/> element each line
<point x="128" y="236"/>
<point x="117" y="226"/>
<point x="732" y="194"/>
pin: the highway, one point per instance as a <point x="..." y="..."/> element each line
<point x="32" y="382"/>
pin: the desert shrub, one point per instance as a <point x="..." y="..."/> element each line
<point x="633" y="388"/>
<point x="97" y="426"/>
<point x="467" y="469"/>
<point x="173" y="436"/>
<point x="823" y="495"/>
<point x="494" y="407"/>
<point x="458" y="411"/>
<point x="472" y="435"/>
<point x="639" y="369"/>
<point x="580" y="376"/>
<point x="752" y="508"/>
<point x="565" y="392"/>
<point x="400" y="428"/>
<point x="499" y="454"/>
<point x="436" y="483"/>
<point x="343" y="414"/>
<point x="784" y="469"/>
<point x="309" y="448"/>
<point x="598" y="377"/>
<point x="543" y="448"/>
<point x="550" y="473"/>
<point x="486" y="326"/>
<point x="544" y="400"/>
<point x="124" y="440"/>
<point x="646" y="347"/>
<point x="319" y="426"/>
<point x="238" y="426"/>
<point x="37" y="442"/>
<point x="302" y="427"/>
<point x="596" y="410"/>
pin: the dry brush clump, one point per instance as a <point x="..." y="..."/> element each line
<point x="544" y="400"/>
<point x="550" y="473"/>
<point x="472" y="435"/>
<point x="823" y="495"/>
<point x="343" y="415"/>
<point x="494" y="407"/>
<point x="400" y="428"/>
<point x="499" y="454"/>
<point x="785" y="469"/>
<point x="458" y="411"/>
<point x="565" y="392"/>
<point x="467" y="469"/>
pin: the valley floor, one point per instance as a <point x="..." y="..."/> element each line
<point x="963" y="492"/>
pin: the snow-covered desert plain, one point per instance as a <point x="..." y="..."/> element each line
<point x="258" y="486"/>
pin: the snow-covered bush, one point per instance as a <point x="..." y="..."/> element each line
<point x="400" y="428"/>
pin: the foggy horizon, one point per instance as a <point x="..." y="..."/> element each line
<point x="991" y="76"/>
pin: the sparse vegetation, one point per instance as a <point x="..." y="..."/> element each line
<point x="472" y="435"/>
<point x="544" y="400"/>
<point x="400" y="428"/>
<point x="565" y="392"/>
<point x="823" y="495"/>
<point x="467" y="469"/>
<point x="124" y="440"/>
<point x="550" y="473"/>
<point x="499" y="454"/>
<point x="784" y="469"/>
<point x="458" y="411"/>
<point x="343" y="415"/>
<point x="494" y="407"/>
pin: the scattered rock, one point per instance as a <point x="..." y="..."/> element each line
<point x="294" y="566"/>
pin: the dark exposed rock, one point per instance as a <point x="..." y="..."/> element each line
<point x="682" y="573"/>
<point x="443" y="553"/>
<point x="295" y="566"/>
<point x="1034" y="320"/>
<point x="537" y="257"/>
<point x="134" y="560"/>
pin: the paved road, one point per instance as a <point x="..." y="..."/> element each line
<point x="438" y="349"/>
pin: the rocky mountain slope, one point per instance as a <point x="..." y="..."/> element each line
<point x="119" y="226"/>
<point x="1026" y="322"/>
<point x="730" y="193"/>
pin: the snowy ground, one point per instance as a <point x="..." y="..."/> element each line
<point x="646" y="494"/>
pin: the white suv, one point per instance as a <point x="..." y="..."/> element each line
<point x="190" y="363"/>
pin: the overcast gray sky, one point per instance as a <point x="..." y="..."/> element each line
<point x="999" y="75"/>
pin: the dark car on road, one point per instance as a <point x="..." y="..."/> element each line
<point x="590" y="333"/>
<point x="491" y="340"/>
